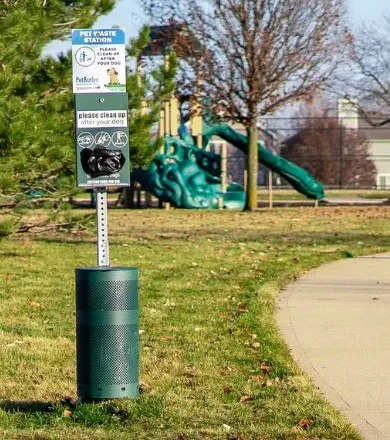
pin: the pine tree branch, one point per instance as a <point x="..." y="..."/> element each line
<point x="69" y="23"/>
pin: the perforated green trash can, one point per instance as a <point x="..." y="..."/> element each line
<point x="107" y="332"/>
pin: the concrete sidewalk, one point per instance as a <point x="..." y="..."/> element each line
<point x="336" y="320"/>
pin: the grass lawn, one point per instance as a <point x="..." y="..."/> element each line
<point x="213" y="365"/>
<point x="278" y="194"/>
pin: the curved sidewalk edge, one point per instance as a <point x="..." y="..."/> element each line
<point x="336" y="321"/>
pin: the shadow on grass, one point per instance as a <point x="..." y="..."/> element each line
<point x="33" y="414"/>
<point x="108" y="413"/>
<point x="27" y="406"/>
<point x="63" y="239"/>
<point x="9" y="254"/>
<point x="14" y="254"/>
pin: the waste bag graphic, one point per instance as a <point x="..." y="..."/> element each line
<point x="101" y="162"/>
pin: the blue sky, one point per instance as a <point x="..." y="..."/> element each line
<point x="127" y="15"/>
<point x="367" y="9"/>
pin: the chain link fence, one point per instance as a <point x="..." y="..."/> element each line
<point x="341" y="154"/>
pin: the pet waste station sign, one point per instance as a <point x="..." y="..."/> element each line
<point x="107" y="317"/>
<point x="98" y="60"/>
<point x="101" y="107"/>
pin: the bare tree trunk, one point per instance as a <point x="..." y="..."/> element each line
<point x="126" y="197"/>
<point x="253" y="168"/>
<point x="128" y="201"/>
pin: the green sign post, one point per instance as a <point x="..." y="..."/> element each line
<point x="106" y="297"/>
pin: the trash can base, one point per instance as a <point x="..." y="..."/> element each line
<point x="107" y="391"/>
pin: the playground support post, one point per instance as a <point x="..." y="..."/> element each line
<point x="196" y="125"/>
<point x="166" y="119"/>
<point x="161" y="135"/>
<point x="253" y="168"/>
<point x="341" y="157"/>
<point x="174" y="116"/>
<point x="167" y="122"/>
<point x="161" y="125"/>
<point x="167" y="126"/>
<point x="223" y="174"/>
<point x="197" y="119"/>
<point x="270" y="190"/>
<point x="139" y="83"/>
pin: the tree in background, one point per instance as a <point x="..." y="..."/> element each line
<point x="37" y="154"/>
<point x="251" y="57"/>
<point x="36" y="101"/>
<point x="367" y="78"/>
<point x="335" y="155"/>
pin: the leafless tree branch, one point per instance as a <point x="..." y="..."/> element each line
<point x="367" y="78"/>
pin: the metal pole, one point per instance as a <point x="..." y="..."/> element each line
<point x="166" y="119"/>
<point x="270" y="190"/>
<point x="341" y="158"/>
<point x="167" y="122"/>
<point x="198" y="113"/>
<point x="139" y="83"/>
<point x="103" y="254"/>
<point x="223" y="174"/>
<point x="167" y="127"/>
<point x="170" y="117"/>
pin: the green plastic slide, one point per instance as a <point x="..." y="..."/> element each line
<point x="299" y="178"/>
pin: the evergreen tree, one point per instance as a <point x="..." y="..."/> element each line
<point x="36" y="99"/>
<point x="36" y="102"/>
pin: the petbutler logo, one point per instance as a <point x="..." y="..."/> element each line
<point x="87" y="80"/>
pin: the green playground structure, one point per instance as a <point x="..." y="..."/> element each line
<point x="184" y="173"/>
<point x="189" y="177"/>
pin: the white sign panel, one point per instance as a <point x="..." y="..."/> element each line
<point x="99" y="57"/>
<point x="98" y="118"/>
